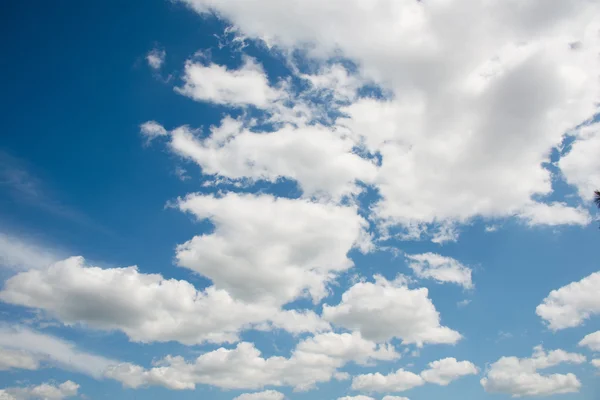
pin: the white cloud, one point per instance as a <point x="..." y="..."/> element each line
<point x="271" y="249"/>
<point x="347" y="347"/>
<point x="394" y="398"/>
<point x="319" y="158"/>
<point x="581" y="165"/>
<point x="156" y="58"/>
<point x="596" y="362"/>
<point x="398" y="381"/>
<point x="592" y="341"/>
<point x="240" y="368"/>
<point x="359" y="397"/>
<point x="44" y="348"/>
<point x="20" y="254"/>
<point x="555" y="214"/>
<point x="444" y="371"/>
<point x="440" y="268"/>
<point x="45" y="391"/>
<point x="475" y="106"/>
<point x="17" y="359"/>
<point x="266" y="395"/>
<point x="146" y="307"/>
<point x="386" y="309"/>
<point x="151" y="130"/>
<point x="247" y="85"/>
<point x="520" y="377"/>
<point x="572" y="304"/>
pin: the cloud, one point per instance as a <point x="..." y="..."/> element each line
<point x="389" y="309"/>
<point x="271" y="249"/>
<point x="19" y="254"/>
<point x="440" y="268"/>
<point x="555" y="214"/>
<point x="592" y="341"/>
<point x="266" y="395"/>
<point x="520" y="377"/>
<point x="156" y="58"/>
<point x="146" y="307"/>
<point x="394" y="398"/>
<point x="247" y="85"/>
<point x="474" y="108"/>
<point x="580" y="166"/>
<point x="45" y="391"/>
<point x="441" y="372"/>
<point x="35" y="347"/>
<point x="596" y="362"/>
<point x="444" y="371"/>
<point x="152" y="130"/>
<point x="348" y="347"/>
<point x="240" y="368"/>
<point x="398" y="381"/>
<point x="319" y="158"/>
<point x="359" y="397"/>
<point x="17" y="359"/>
<point x="572" y="304"/>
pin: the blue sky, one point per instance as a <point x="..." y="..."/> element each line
<point x="322" y="200"/>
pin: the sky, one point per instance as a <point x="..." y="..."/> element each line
<point x="269" y="200"/>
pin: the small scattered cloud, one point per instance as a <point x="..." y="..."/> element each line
<point x="156" y="58"/>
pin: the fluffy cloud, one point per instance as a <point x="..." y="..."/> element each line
<point x="146" y="307"/>
<point x="442" y="372"/>
<point x="271" y="249"/>
<point x="394" y="398"/>
<point x="554" y="214"/>
<point x="592" y="341"/>
<point x="18" y="359"/>
<point x="266" y="395"/>
<point x="319" y="158"/>
<point x="45" y="391"/>
<point x="151" y="130"/>
<point x="572" y="304"/>
<point x="520" y="377"/>
<point x="34" y="348"/>
<point x="156" y="58"/>
<point x="440" y="268"/>
<point x="247" y="85"/>
<point x="596" y="362"/>
<point x="398" y="381"/>
<point x="386" y="309"/>
<point x="475" y="106"/>
<point x="581" y="165"/>
<point x="240" y="368"/>
<point x="347" y="347"/>
<point x="359" y="397"/>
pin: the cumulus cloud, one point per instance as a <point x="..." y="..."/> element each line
<point x="394" y="398"/>
<point x="266" y="395"/>
<point x="34" y="348"/>
<point x="444" y="371"/>
<point x="520" y="377"/>
<point x="384" y="309"/>
<point x="45" y="391"/>
<point x="156" y="58"/>
<point x="242" y="367"/>
<point x="359" y="397"/>
<point x="146" y="307"/>
<point x="17" y="359"/>
<point x="247" y="85"/>
<point x="596" y="362"/>
<point x="348" y="347"/>
<point x="319" y="158"/>
<point x="572" y="304"/>
<point x="581" y="165"/>
<point x="555" y="214"/>
<point x="440" y="268"/>
<point x="398" y="381"/>
<point x="474" y="107"/>
<point x="592" y="341"/>
<point x="271" y="249"/>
